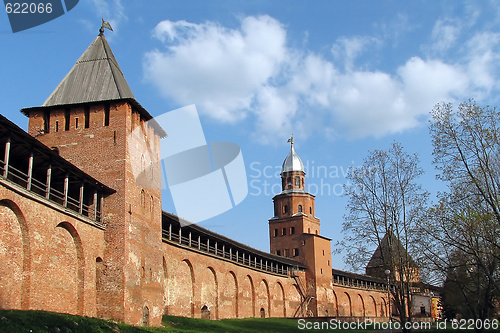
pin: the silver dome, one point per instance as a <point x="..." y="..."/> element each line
<point x="292" y="162"/>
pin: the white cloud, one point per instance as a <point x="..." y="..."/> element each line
<point x="346" y="50"/>
<point x="250" y="73"/>
<point x="444" y="35"/>
<point x="483" y="60"/>
<point x="220" y="70"/>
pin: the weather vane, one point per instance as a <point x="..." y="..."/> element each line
<point x="291" y="140"/>
<point x="105" y="24"/>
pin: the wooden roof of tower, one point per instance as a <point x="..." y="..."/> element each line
<point x="95" y="77"/>
<point x="390" y="247"/>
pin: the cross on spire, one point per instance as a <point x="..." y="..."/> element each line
<point x="291" y="140"/>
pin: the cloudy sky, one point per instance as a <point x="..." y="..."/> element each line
<point x="345" y="77"/>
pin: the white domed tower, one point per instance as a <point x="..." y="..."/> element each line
<point x="293" y="210"/>
<point x="294" y="231"/>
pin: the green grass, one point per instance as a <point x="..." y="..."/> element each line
<point x="14" y="321"/>
<point x="41" y="322"/>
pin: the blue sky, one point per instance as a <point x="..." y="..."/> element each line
<point x="345" y="77"/>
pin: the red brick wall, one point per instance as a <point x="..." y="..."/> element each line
<point x="193" y="280"/>
<point x="58" y="261"/>
<point x="53" y="263"/>
<point x="48" y="256"/>
<point x="132" y="258"/>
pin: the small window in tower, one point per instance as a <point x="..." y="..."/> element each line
<point x="278" y="252"/>
<point x="292" y="230"/>
<point x="106" y="115"/>
<point x="76" y="122"/>
<point x="297" y="181"/>
<point x="284" y="232"/>
<point x="46" y="121"/>
<point x="57" y="126"/>
<point x="308" y="230"/>
<point x="316" y="232"/>
<point x="300" y="208"/>
<point x="286" y="208"/>
<point x="86" y="114"/>
<point x="295" y="252"/>
<point x="323" y="252"/>
<point x="289" y="181"/>
<point x="310" y="210"/>
<point x="66" y="119"/>
<point x="143" y="199"/>
<point x="275" y="232"/>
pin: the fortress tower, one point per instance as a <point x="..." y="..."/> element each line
<point x="294" y="231"/>
<point x="87" y="120"/>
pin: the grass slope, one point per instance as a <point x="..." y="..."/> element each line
<point x="15" y="321"/>
<point x="42" y="321"/>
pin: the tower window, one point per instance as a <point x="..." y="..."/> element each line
<point x="66" y="119"/>
<point x="278" y="252"/>
<point x="289" y="181"/>
<point x="295" y="252"/>
<point x="300" y="208"/>
<point x="297" y="181"/>
<point x="76" y="122"/>
<point x="292" y="230"/>
<point x="310" y="210"/>
<point x="275" y="232"/>
<point x="106" y="115"/>
<point x="286" y="208"/>
<point x="143" y="199"/>
<point x="86" y="114"/>
<point x="46" y="121"/>
<point x="57" y="126"/>
<point x="284" y="232"/>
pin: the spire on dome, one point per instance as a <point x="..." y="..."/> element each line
<point x="292" y="161"/>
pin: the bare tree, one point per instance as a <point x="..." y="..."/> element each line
<point x="462" y="230"/>
<point x="385" y="201"/>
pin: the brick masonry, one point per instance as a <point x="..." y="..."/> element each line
<point x="122" y="268"/>
<point x="58" y="261"/>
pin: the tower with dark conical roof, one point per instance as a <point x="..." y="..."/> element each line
<point x="88" y="119"/>
<point x="392" y="255"/>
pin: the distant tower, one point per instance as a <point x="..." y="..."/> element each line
<point x="294" y="231"/>
<point x="88" y="119"/>
<point x="293" y="210"/>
